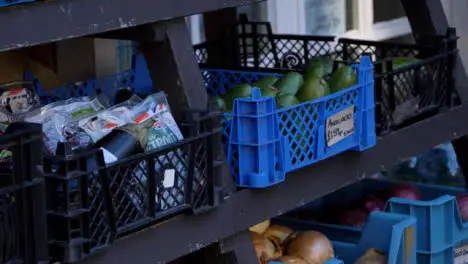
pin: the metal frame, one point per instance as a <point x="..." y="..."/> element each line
<point x="172" y="65"/>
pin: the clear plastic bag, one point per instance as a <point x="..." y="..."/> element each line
<point x="55" y="115"/>
<point x="84" y="132"/>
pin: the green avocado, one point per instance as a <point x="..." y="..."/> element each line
<point x="271" y="91"/>
<point x="344" y="77"/>
<point x="265" y="82"/>
<point x="402" y="61"/>
<point x="313" y="89"/>
<point x="219" y="102"/>
<point x="319" y="67"/>
<point x="241" y="91"/>
<point x="290" y="83"/>
<point x="286" y="100"/>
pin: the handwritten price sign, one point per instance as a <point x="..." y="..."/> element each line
<point x="339" y="126"/>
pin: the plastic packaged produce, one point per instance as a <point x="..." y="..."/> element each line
<point x="435" y="166"/>
<point x="18" y="97"/>
<point x="84" y="132"/>
<point x="55" y="115"/>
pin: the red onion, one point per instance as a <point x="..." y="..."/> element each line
<point x="406" y="191"/>
<point x="462" y="201"/>
<point x="354" y="218"/>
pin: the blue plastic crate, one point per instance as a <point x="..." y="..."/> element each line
<point x="442" y="234"/>
<point x="393" y="234"/>
<point x="302" y="126"/>
<point x="137" y="77"/>
<point x="14" y="2"/>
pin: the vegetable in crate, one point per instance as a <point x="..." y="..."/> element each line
<point x="55" y="115"/>
<point x="286" y="100"/>
<point x="372" y="203"/>
<point x="406" y="191"/>
<point x="312" y="89"/>
<point x="260" y="228"/>
<point x="289" y="83"/>
<point x="344" y="77"/>
<point x="278" y="234"/>
<point x="462" y="201"/>
<point x="354" y="218"/>
<point x="241" y="91"/>
<point x="372" y="256"/>
<point x="291" y="260"/>
<point x="265" y="249"/>
<point x="82" y="133"/>
<point x="311" y="246"/>
<point x="219" y="102"/>
<point x="319" y="67"/>
<point x="265" y="82"/>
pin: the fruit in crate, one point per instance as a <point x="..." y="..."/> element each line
<point x="219" y="102"/>
<point x="289" y="83"/>
<point x="405" y="191"/>
<point x="260" y="228"/>
<point x="240" y="91"/>
<point x="354" y="218"/>
<point x="312" y="89"/>
<point x="265" y="249"/>
<point x="319" y="67"/>
<point x="344" y="77"/>
<point x="291" y="260"/>
<point x="286" y="100"/>
<point x="277" y="233"/>
<point x="271" y="91"/>
<point x="462" y="201"/>
<point x="265" y="82"/>
<point x="372" y="256"/>
<point x="373" y="203"/>
<point x="311" y="246"/>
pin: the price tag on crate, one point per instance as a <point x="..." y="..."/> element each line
<point x="339" y="126"/>
<point x="460" y="254"/>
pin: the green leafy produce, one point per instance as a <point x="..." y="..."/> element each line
<point x="219" y="102"/>
<point x="241" y="91"/>
<point x="342" y="78"/>
<point x="265" y="82"/>
<point x="313" y="89"/>
<point x="286" y="100"/>
<point x="290" y="83"/>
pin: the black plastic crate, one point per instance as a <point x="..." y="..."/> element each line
<point x="428" y="84"/>
<point x="22" y="207"/>
<point x="88" y="209"/>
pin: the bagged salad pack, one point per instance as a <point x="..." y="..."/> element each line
<point x="55" y="116"/>
<point x="87" y="130"/>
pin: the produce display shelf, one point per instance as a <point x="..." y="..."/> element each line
<point x="245" y="208"/>
<point x="31" y="24"/>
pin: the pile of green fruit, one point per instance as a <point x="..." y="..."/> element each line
<point x="294" y="88"/>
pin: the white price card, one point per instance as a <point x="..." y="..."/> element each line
<point x="108" y="157"/>
<point x="339" y="126"/>
<point x="169" y="178"/>
<point x="460" y="254"/>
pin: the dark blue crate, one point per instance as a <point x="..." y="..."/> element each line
<point x="14" y="2"/>
<point x="440" y="228"/>
<point x="137" y="77"/>
<point x="393" y="234"/>
<point x="302" y="126"/>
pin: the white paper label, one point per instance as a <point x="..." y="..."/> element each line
<point x="339" y="126"/>
<point x="108" y="157"/>
<point x="169" y="178"/>
<point x="460" y="254"/>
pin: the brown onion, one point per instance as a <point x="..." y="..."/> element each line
<point x="311" y="246"/>
<point x="291" y="260"/>
<point x="264" y="248"/>
<point x="260" y="227"/>
<point x="372" y="256"/>
<point x="278" y="234"/>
